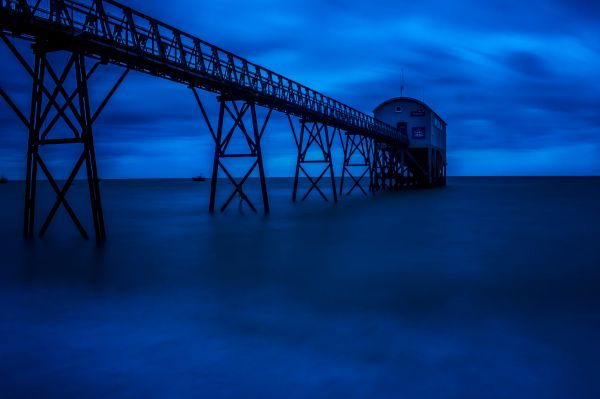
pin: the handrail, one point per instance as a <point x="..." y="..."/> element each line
<point x="117" y="25"/>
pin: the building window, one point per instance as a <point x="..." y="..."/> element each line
<point x="399" y="109"/>
<point x="418" y="132"/>
<point x="438" y="123"/>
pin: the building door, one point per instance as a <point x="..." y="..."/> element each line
<point x="402" y="128"/>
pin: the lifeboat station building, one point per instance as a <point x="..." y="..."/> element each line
<point x="426" y="132"/>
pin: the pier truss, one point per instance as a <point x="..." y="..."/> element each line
<point x="318" y="136"/>
<point x="357" y="165"/>
<point x="94" y="33"/>
<point x="244" y="123"/>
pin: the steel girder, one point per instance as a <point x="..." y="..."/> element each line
<point x="317" y="137"/>
<point x="51" y="102"/>
<point x="121" y="35"/>
<point x="357" y="162"/>
<point x="390" y="171"/>
<point x="245" y="124"/>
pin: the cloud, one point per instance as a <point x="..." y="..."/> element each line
<point x="514" y="82"/>
<point x="528" y="64"/>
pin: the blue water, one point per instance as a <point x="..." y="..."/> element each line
<point x="487" y="288"/>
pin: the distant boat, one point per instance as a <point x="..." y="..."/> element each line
<point x="199" y="178"/>
<point x="3" y="180"/>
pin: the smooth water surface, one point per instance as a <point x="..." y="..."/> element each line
<point x="487" y="288"/>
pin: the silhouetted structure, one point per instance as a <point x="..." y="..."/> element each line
<point x="107" y="32"/>
<point x="425" y="162"/>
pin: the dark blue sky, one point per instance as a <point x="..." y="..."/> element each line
<point x="517" y="82"/>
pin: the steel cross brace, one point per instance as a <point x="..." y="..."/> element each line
<point x="357" y="157"/>
<point x="316" y="135"/>
<point x="416" y="172"/>
<point x="40" y="125"/>
<point x="245" y="122"/>
<point x="388" y="167"/>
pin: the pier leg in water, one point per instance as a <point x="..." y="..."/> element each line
<point x="357" y="159"/>
<point x="243" y="123"/>
<point x="315" y="136"/>
<point x="51" y="103"/>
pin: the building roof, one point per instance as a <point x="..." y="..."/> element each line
<point x="414" y="100"/>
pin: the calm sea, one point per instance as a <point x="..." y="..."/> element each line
<point x="487" y="288"/>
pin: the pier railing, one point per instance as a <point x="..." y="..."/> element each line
<point x="123" y="35"/>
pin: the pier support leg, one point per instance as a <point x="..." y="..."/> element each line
<point x="357" y="162"/>
<point x="244" y="123"/>
<point x="444" y="172"/>
<point x="315" y="136"/>
<point x="51" y="103"/>
<point x="390" y="171"/>
<point x="381" y="167"/>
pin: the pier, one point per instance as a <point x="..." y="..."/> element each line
<point x="95" y="33"/>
